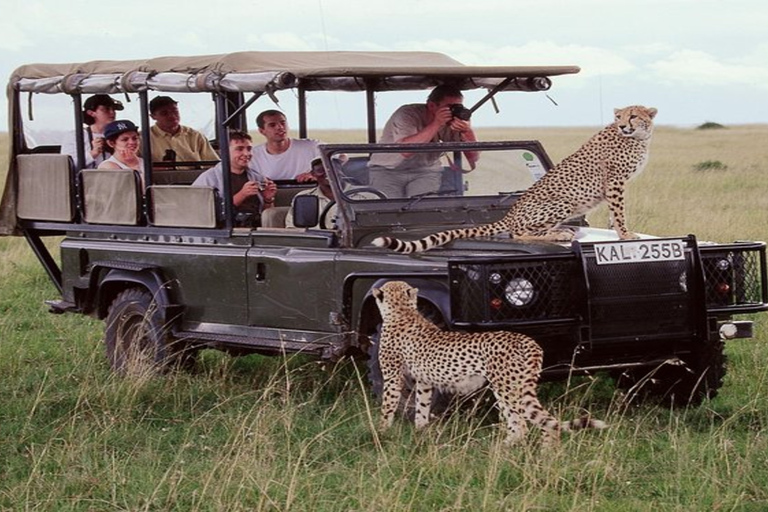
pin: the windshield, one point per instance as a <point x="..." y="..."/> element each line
<point x="424" y="172"/>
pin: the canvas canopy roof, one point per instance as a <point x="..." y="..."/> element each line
<point x="270" y="71"/>
<point x="257" y="72"/>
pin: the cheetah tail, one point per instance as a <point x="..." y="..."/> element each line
<point x="428" y="242"/>
<point x="393" y="244"/>
<point x="583" y="423"/>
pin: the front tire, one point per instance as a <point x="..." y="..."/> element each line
<point x="699" y="377"/>
<point x="136" y="337"/>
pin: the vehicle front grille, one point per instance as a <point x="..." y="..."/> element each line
<point x="497" y="293"/>
<point x="630" y="301"/>
<point x="634" y="300"/>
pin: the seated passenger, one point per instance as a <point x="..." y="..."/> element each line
<point x="98" y="112"/>
<point x="251" y="193"/>
<point x="123" y="139"/>
<point x="170" y="140"/>
<point x="281" y="157"/>
<point x="324" y="194"/>
<point x="410" y="174"/>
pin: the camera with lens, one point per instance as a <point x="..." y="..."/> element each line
<point x="169" y="156"/>
<point x="460" y="111"/>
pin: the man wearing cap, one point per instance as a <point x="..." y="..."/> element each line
<point x="123" y="139"/>
<point x="98" y="112"/>
<point x="170" y="140"/>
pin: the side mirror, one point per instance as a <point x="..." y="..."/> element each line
<point x="306" y="211"/>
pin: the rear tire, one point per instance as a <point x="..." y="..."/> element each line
<point x="136" y="337"/>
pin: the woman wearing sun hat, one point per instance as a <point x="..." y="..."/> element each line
<point x="98" y="111"/>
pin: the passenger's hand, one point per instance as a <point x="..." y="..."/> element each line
<point x="97" y="146"/>
<point x="443" y="115"/>
<point x="268" y="191"/>
<point x="305" y="177"/>
<point x="459" y="125"/>
<point x="251" y="188"/>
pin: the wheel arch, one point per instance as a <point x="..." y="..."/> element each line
<point x="434" y="295"/>
<point x="112" y="280"/>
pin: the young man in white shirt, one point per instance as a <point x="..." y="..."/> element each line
<point x="282" y="157"/>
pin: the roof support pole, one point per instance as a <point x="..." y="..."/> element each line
<point x="241" y="109"/>
<point x="17" y="140"/>
<point x="302" y="112"/>
<point x="370" y="103"/>
<point x="79" y="138"/>
<point x="222" y="133"/>
<point x="491" y="94"/>
<point x="146" y="154"/>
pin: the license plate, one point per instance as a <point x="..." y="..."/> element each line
<point x="639" y="251"/>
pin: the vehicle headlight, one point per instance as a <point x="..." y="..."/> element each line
<point x="519" y="292"/>
<point x="495" y="278"/>
<point x="473" y="273"/>
<point x="723" y="264"/>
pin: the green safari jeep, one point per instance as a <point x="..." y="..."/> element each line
<point x="169" y="272"/>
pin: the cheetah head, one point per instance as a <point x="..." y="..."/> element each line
<point x="635" y="121"/>
<point x="393" y="295"/>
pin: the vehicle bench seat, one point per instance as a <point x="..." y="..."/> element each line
<point x="111" y="196"/>
<point x="45" y="187"/>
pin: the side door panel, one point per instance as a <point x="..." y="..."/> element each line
<point x="294" y="287"/>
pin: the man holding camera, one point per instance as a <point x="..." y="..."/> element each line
<point x="252" y="194"/>
<point x="441" y="118"/>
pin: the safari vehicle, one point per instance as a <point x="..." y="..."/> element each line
<point x="170" y="274"/>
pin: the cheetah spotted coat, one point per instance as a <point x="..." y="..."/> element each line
<point x="461" y="363"/>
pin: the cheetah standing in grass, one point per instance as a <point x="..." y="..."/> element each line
<point x="460" y="362"/>
<point x="596" y="173"/>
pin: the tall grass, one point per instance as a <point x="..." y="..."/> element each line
<point x="257" y="433"/>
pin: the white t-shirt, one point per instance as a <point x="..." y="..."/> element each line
<point x="113" y="159"/>
<point x="288" y="165"/>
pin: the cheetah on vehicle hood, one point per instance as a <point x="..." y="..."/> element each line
<point x="597" y="172"/>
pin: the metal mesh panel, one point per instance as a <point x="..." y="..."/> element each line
<point x="633" y="300"/>
<point x="513" y="291"/>
<point x="732" y="277"/>
<point x="631" y="279"/>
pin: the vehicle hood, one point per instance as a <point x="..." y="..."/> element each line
<point x="504" y="244"/>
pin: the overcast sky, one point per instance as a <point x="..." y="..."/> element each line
<point x="695" y="60"/>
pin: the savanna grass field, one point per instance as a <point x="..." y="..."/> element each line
<point x="290" y="434"/>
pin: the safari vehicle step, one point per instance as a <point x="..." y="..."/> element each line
<point x="266" y="344"/>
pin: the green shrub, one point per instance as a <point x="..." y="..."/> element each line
<point x="710" y="165"/>
<point x="709" y="125"/>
